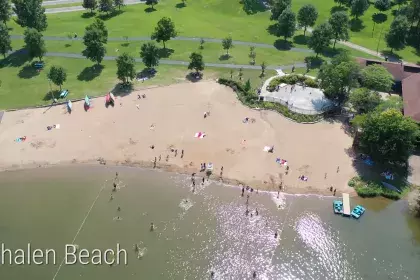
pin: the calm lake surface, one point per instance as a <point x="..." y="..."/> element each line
<point x="197" y="233"/>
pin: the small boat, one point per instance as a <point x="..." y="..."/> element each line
<point x="338" y="206"/>
<point x="358" y="211"/>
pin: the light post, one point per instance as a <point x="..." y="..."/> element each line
<point x="52" y="95"/>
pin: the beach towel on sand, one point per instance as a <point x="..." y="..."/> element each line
<point x="200" y="135"/>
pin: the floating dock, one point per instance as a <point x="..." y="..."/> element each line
<point x="346" y="204"/>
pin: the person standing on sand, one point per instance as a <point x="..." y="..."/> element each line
<point x="176" y="152"/>
<point x="160" y="157"/>
<point x="335" y="190"/>
<point x="182" y="153"/>
<point x="338" y="169"/>
<point x="167" y="158"/>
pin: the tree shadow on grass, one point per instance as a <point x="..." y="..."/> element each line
<point x="338" y="9"/>
<point x="88" y="15"/>
<point x="125" y="44"/>
<point x="300" y="39"/>
<point x="356" y="25"/>
<point x="273" y="29"/>
<point x="253" y="7"/>
<point x="331" y="52"/>
<point x="224" y="57"/>
<point x="180" y="5"/>
<point x="314" y="62"/>
<point x="194" y="77"/>
<point x="165" y="53"/>
<point x="67" y="45"/>
<point x="28" y="71"/>
<point x="15" y="59"/>
<point x="90" y="73"/>
<point x="283" y="45"/>
<point x="121" y="89"/>
<point x="48" y="96"/>
<point x="150" y="10"/>
<point x="110" y="15"/>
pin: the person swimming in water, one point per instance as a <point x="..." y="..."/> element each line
<point x="275" y="235"/>
<point x="152" y="227"/>
<point x="119" y="209"/>
<point x="115" y="187"/>
<point x="254" y="274"/>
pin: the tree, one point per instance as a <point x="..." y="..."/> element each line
<point x="34" y="43"/>
<point x="397" y="36"/>
<point x="278" y="7"/>
<point x="250" y="5"/>
<point x="382" y="5"/>
<point x="100" y="26"/>
<point x="152" y="3"/>
<point x="106" y="6"/>
<point x="30" y="13"/>
<point x="5" y="11"/>
<point x="415" y="13"/>
<point x="149" y="53"/>
<point x="388" y="136"/>
<point x="338" y="78"/>
<point x="164" y="31"/>
<point x="287" y="24"/>
<point x="227" y="44"/>
<point x="321" y="38"/>
<point x="90" y="5"/>
<point x="359" y="7"/>
<point x="252" y="54"/>
<point x="119" y="3"/>
<point x="340" y="26"/>
<point x="57" y="75"/>
<point x="196" y="62"/>
<point x="378" y="18"/>
<point x="95" y="49"/>
<point x="307" y="16"/>
<point x="5" y="42"/>
<point x="400" y="2"/>
<point x="126" y="68"/>
<point x="364" y="100"/>
<point x="263" y="67"/>
<point x="376" y="77"/>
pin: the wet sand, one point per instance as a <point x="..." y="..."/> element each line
<point x="168" y="118"/>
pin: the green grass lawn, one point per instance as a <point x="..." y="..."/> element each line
<point x="23" y="86"/>
<point x="63" y="5"/>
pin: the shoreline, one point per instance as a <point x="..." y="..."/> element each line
<point x="167" y="168"/>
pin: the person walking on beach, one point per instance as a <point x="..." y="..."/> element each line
<point x="160" y="157"/>
<point x="335" y="190"/>
<point x="154" y="163"/>
<point x="338" y="169"/>
<point x="182" y="153"/>
<point x="167" y="157"/>
<point x="176" y="152"/>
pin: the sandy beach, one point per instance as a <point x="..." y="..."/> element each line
<point x="168" y="118"/>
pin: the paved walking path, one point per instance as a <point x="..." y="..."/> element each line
<point x="179" y="62"/>
<point x="75" y="8"/>
<point x="180" y="38"/>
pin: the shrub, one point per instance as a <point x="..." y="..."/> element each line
<point x="311" y="83"/>
<point x="366" y="188"/>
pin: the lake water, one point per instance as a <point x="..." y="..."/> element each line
<point x="197" y="233"/>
